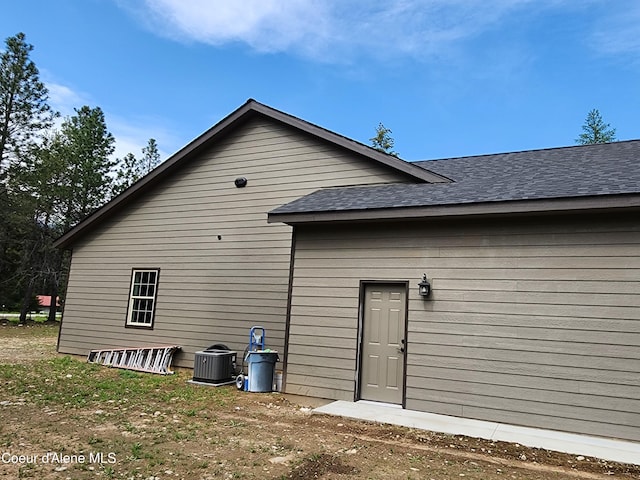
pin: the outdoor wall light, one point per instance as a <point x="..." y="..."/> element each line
<point x="424" y="287"/>
<point x="241" y="182"/>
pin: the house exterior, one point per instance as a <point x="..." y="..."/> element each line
<point x="185" y="256"/>
<point x="533" y="259"/>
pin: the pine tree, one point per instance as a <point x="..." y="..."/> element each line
<point x="127" y="173"/>
<point x="86" y="147"/>
<point x="60" y="181"/>
<point x="24" y="116"/>
<point x="594" y="130"/>
<point x="130" y="169"/>
<point x="24" y="111"/>
<point x="150" y="156"/>
<point x="383" y="141"/>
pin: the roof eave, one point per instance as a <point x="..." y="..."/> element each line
<point x="555" y="205"/>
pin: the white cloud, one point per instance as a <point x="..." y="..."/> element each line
<point x="329" y="29"/>
<point x="131" y="135"/>
<point x="63" y="99"/>
<point x="265" y="25"/>
<point x="338" y="30"/>
<point x="619" y="32"/>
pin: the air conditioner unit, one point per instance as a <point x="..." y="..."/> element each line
<point x="214" y="366"/>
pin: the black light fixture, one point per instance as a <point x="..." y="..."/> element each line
<point x="424" y="287"/>
<point x="241" y="182"/>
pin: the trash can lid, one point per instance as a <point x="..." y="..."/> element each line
<point x="262" y="354"/>
<point x="214" y="353"/>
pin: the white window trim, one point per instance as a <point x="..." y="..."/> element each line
<point x="133" y="298"/>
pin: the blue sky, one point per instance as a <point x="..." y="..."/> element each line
<point x="448" y="77"/>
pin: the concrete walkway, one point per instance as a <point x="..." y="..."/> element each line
<point x="613" y="450"/>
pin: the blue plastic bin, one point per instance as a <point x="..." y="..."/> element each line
<point x="261" y="370"/>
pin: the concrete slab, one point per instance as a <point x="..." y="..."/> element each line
<point x="604" y="448"/>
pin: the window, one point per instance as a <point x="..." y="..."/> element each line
<point x="142" y="297"/>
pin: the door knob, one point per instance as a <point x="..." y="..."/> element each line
<point x="402" y="347"/>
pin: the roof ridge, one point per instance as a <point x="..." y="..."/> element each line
<point x="391" y="161"/>
<point x="252" y="100"/>
<point x="530" y="150"/>
<point x="374" y="150"/>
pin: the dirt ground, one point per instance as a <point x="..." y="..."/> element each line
<point x="174" y="430"/>
<point x="27" y="346"/>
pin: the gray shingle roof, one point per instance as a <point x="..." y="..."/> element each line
<point x="568" y="172"/>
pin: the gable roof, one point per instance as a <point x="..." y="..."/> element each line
<point x="249" y="110"/>
<point x="589" y="176"/>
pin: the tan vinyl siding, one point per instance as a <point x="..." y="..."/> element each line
<point x="530" y="322"/>
<point x="210" y="290"/>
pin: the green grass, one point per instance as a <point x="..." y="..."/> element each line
<point x="136" y="451"/>
<point x="154" y="423"/>
<point x="14" y="317"/>
<point x="31" y="331"/>
<point x="157" y="413"/>
<point x="70" y="382"/>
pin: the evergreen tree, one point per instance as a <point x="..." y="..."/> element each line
<point x="24" y="115"/>
<point x="150" y="156"/>
<point x="48" y="180"/>
<point x="595" y="130"/>
<point x="48" y="190"/>
<point x="40" y="180"/>
<point x="14" y="229"/>
<point x="86" y="147"/>
<point x="383" y="141"/>
<point x="59" y="182"/>
<point x="24" y="111"/>
<point x="39" y="186"/>
<point x="127" y="173"/>
<point x="130" y="169"/>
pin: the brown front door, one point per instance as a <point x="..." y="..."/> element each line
<point x="383" y="342"/>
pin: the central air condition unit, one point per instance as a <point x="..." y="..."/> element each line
<point x="214" y="366"/>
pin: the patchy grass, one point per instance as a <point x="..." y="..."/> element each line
<point x="92" y="422"/>
<point x="31" y="330"/>
<point x="13" y="318"/>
